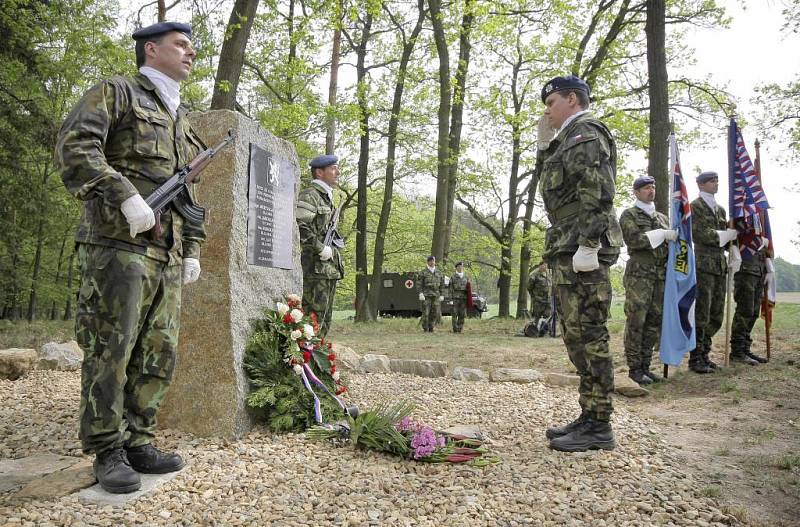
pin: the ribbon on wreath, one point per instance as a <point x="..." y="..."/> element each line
<point x="309" y="377"/>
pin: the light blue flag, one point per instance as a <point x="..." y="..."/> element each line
<point x="680" y="287"/>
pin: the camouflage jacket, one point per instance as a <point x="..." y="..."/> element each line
<point x="578" y="186"/>
<point x="709" y="256"/>
<point x="430" y="283"/>
<point x="539" y="287"/>
<point x="458" y="285"/>
<point x="120" y="140"/>
<point x="314" y="212"/>
<point x="645" y="262"/>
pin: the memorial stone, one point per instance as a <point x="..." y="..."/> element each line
<point x="238" y="281"/>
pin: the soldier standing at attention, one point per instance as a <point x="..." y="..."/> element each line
<point x="748" y="292"/>
<point x="459" y="288"/>
<point x="125" y="137"/>
<point x="430" y="282"/>
<point x="539" y="289"/>
<point x="645" y="231"/>
<point x="322" y="264"/>
<point x="583" y="241"/>
<point x="711" y="237"/>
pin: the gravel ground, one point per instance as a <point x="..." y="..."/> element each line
<point x="283" y="479"/>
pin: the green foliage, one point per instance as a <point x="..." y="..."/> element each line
<point x="787" y="275"/>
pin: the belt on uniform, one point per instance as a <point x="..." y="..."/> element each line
<point x="565" y="211"/>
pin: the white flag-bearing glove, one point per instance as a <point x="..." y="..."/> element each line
<point x="656" y="237"/>
<point x="585" y="259"/>
<point x="191" y="270"/>
<point x="138" y="213"/>
<point x="671" y="235"/>
<point x="441" y="299"/>
<point x="446" y="280"/>
<point x="770" y="266"/>
<point x="764" y="243"/>
<point x="421" y="297"/>
<point x="326" y="253"/>
<point x="734" y="259"/>
<point x="728" y="235"/>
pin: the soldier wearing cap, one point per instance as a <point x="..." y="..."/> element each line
<point x="322" y="264"/>
<point x="645" y="231"/>
<point x="460" y="291"/>
<point x="430" y="286"/>
<point x="583" y="241"/>
<point x="124" y="138"/>
<point x="711" y="238"/>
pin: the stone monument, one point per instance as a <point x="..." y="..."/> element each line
<point x="249" y="191"/>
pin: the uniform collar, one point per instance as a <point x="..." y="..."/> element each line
<point x="324" y="187"/>
<point x="569" y="121"/>
<point x="647" y="208"/>
<point x="168" y="88"/>
<point x="431" y="269"/>
<point x="710" y="200"/>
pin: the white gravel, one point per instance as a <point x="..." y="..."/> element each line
<point x="283" y="479"/>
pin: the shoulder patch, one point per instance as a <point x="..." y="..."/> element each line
<point x="579" y="137"/>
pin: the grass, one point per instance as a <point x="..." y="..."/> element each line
<point x="34" y="334"/>
<point x="711" y="491"/>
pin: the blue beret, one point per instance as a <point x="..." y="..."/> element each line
<point x="161" y="28"/>
<point x="705" y="177"/>
<point x="429" y="258"/>
<point x="643" y="181"/>
<point x="570" y="82"/>
<point x="323" y="161"/>
<point x="459" y="263"/>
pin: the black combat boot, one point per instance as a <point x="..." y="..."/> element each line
<point x="755" y="357"/>
<point x="589" y="435"/>
<point x="639" y="377"/>
<point x="114" y="472"/>
<point x="558" y="431"/>
<point x="147" y="459"/>
<point x="697" y="364"/>
<point x="653" y="375"/>
<point x="742" y="358"/>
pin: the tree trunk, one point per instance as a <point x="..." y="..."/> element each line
<point x="330" y="134"/>
<point x="439" y="242"/>
<point x="162" y="11"/>
<point x="68" y="304"/>
<point x="58" y="273"/>
<point x="659" y="102"/>
<point x="525" y="254"/>
<point x="456" y="120"/>
<point x="37" y="265"/>
<point x="362" y="313"/>
<point x="231" y="57"/>
<point x="386" y="207"/>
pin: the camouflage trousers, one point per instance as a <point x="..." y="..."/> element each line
<point x="127" y="324"/>
<point x="459" y="313"/>
<point x="748" y="292"/>
<point x="430" y="312"/>
<point x="583" y="302"/>
<point x="709" y="312"/>
<point x="318" y="296"/>
<point x="644" y="305"/>
<point x="540" y="310"/>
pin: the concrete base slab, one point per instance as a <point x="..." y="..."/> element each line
<point x="15" y="473"/>
<point x="150" y="482"/>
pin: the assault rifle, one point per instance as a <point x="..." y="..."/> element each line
<point x="332" y="238"/>
<point x="176" y="190"/>
<point x="553" y="309"/>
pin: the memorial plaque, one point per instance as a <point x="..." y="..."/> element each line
<point x="270" y="218"/>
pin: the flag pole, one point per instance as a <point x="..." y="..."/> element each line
<point x="765" y="307"/>
<point x="728" y="274"/>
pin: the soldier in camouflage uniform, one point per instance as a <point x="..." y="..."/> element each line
<point x="541" y="307"/>
<point x="645" y="231"/>
<point x="322" y="264"/>
<point x="458" y="292"/>
<point x="124" y="138"/>
<point x="710" y="238"/>
<point x="748" y="292"/>
<point x="430" y="285"/>
<point x="583" y="241"/>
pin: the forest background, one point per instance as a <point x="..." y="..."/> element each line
<point x="432" y="107"/>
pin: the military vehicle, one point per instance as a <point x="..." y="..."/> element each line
<point x="399" y="298"/>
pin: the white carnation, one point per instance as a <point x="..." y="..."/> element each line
<point x="297" y="315"/>
<point x="282" y="308"/>
<point x="293" y="298"/>
<point x="335" y="376"/>
<point x="308" y="330"/>
<point x="298" y="369"/>
<point x="296" y="334"/>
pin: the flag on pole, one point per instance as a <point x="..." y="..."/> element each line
<point x="768" y="302"/>
<point x="677" y="325"/>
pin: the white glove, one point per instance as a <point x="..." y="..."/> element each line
<point x="656" y="237"/>
<point x="671" y="235"/>
<point x="728" y="235"/>
<point x="421" y="297"/>
<point x="138" y="213"/>
<point x="770" y="266"/>
<point x="585" y="259"/>
<point x="191" y="270"/>
<point x="441" y="299"/>
<point x="326" y="253"/>
<point x="764" y="243"/>
<point x="446" y="280"/>
<point x="734" y="259"/>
